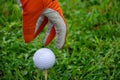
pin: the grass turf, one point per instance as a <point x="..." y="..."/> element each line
<point x="92" y="48"/>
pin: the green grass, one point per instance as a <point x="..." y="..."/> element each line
<point x="92" y="48"/>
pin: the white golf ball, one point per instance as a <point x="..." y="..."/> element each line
<point x="44" y="58"/>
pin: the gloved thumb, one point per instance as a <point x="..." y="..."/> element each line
<point x="49" y="35"/>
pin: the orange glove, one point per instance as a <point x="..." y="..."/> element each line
<point x="36" y="14"/>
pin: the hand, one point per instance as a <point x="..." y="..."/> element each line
<point x="36" y="14"/>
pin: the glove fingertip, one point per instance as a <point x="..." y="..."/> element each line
<point x="49" y="37"/>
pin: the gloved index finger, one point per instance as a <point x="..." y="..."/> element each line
<point x="59" y="24"/>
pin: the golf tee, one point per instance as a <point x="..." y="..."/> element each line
<point x="45" y="74"/>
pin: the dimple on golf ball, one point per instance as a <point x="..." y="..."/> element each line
<point x="44" y="58"/>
